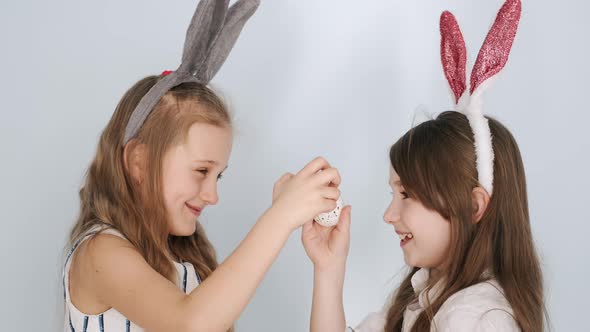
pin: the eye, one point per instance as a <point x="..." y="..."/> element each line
<point x="403" y="193"/>
<point x="205" y="172"/>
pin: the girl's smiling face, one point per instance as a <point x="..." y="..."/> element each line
<point x="191" y="170"/>
<point x="424" y="234"/>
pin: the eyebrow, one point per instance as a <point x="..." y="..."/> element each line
<point x="207" y="161"/>
<point x="213" y="162"/>
<point x="398" y="183"/>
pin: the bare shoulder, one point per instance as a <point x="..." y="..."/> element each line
<point x="107" y="260"/>
<point x="109" y="272"/>
<point x="96" y="263"/>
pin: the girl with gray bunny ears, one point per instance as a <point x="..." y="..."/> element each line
<point x="459" y="206"/>
<point x="139" y="257"/>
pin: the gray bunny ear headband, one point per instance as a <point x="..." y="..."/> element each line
<point x="211" y="35"/>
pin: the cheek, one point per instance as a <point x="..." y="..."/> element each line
<point x="431" y="230"/>
<point x="179" y="188"/>
<point x="439" y="239"/>
<point x="411" y="217"/>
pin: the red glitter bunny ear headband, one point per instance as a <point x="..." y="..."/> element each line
<point x="492" y="57"/>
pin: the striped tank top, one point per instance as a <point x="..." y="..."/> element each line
<point x="112" y="320"/>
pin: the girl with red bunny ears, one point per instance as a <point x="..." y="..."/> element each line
<point x="460" y="209"/>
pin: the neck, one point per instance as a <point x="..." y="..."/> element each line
<point x="435" y="273"/>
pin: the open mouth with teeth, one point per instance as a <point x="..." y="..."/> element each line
<point x="405" y="238"/>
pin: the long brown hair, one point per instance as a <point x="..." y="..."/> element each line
<point x="436" y="164"/>
<point x="109" y="196"/>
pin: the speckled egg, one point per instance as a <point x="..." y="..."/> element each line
<point x="331" y="218"/>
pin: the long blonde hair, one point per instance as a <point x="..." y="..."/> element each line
<point x="109" y="196"/>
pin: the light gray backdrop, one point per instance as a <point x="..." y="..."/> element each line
<point x="337" y="78"/>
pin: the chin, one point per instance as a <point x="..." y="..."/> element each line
<point x="412" y="262"/>
<point x="186" y="229"/>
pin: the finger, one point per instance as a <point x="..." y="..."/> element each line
<point x="328" y="205"/>
<point x="329" y="177"/>
<point x="330" y="193"/>
<point x="280" y="182"/>
<point x="314" y="166"/>
<point x="307" y="227"/>
<point x="284" y="178"/>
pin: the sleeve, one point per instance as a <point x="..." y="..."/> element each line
<point x="373" y="322"/>
<point x="466" y="320"/>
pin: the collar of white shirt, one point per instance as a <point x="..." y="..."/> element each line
<point x="419" y="283"/>
<point x="428" y="295"/>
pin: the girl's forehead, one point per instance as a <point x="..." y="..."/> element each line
<point x="208" y="143"/>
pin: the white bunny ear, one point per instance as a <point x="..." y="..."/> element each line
<point x="203" y="30"/>
<point x="237" y="16"/>
<point x="495" y="50"/>
<point x="492" y="57"/>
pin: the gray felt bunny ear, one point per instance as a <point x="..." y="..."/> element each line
<point x="212" y="33"/>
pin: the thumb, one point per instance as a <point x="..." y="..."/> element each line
<point x="344" y="224"/>
<point x="307" y="226"/>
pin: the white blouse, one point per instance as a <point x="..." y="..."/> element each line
<point x="481" y="307"/>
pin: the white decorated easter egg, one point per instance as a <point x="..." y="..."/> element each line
<point x="331" y="218"/>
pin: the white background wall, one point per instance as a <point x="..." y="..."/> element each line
<point x="338" y="78"/>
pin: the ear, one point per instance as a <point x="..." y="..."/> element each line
<point x="480" y="200"/>
<point x="134" y="159"/>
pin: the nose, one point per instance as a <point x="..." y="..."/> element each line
<point x="209" y="193"/>
<point x="392" y="215"/>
